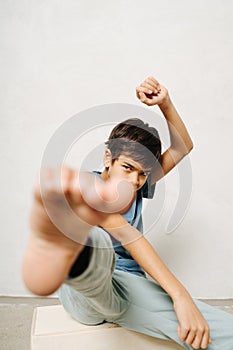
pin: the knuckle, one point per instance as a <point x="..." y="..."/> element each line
<point x="143" y="98"/>
<point x="201" y="329"/>
<point x="186" y="328"/>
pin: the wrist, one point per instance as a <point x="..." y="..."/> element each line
<point x="180" y="294"/>
<point x="165" y="104"/>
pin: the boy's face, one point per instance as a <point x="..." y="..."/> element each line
<point x="128" y="169"/>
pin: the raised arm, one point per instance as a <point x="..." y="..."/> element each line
<point x="152" y="93"/>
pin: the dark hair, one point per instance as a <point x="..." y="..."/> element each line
<point x="137" y="139"/>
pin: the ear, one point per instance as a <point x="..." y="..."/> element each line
<point x="107" y="158"/>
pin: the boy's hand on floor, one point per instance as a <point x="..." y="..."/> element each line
<point x="152" y="93"/>
<point x="193" y="328"/>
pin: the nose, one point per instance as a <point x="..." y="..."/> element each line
<point x="135" y="178"/>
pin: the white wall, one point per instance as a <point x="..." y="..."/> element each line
<point x="61" y="57"/>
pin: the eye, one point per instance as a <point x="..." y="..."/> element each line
<point x="126" y="167"/>
<point x="145" y="173"/>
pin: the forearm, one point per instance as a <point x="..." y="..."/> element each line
<point x="154" y="266"/>
<point x="180" y="141"/>
<point x="145" y="255"/>
<point x="179" y="136"/>
<point x="152" y="93"/>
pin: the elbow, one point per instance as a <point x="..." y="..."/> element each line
<point x="187" y="147"/>
<point x="182" y="150"/>
<point x="190" y="147"/>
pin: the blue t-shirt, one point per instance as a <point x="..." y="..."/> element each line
<point x="133" y="216"/>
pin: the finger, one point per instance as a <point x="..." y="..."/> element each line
<point x="182" y="332"/>
<point x="196" y="344"/>
<point x="145" y="90"/>
<point x="146" y="100"/>
<point x="149" y="86"/>
<point x="153" y="81"/>
<point x="190" y="337"/>
<point x="156" y="86"/>
<point x="149" y="101"/>
<point x="206" y="339"/>
<point x="142" y="97"/>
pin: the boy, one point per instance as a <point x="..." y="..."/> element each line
<point x="99" y="284"/>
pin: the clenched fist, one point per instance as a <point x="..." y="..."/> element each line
<point x="152" y="93"/>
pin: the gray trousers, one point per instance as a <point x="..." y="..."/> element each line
<point x="102" y="293"/>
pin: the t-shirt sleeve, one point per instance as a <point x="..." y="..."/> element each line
<point x="148" y="190"/>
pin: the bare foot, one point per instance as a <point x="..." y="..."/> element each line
<point x="60" y="221"/>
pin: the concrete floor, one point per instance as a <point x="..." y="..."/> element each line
<point x="16" y="316"/>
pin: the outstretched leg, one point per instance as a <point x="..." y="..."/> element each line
<point x="151" y="312"/>
<point x="101" y="294"/>
<point x="60" y="222"/>
<point x="93" y="296"/>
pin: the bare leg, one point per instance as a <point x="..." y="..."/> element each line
<point x="46" y="264"/>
